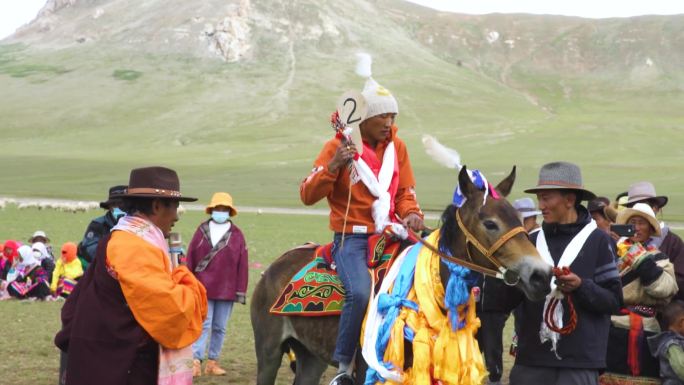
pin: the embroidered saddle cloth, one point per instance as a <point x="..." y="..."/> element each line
<point x="316" y="290"/>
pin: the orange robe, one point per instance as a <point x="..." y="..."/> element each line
<point x="169" y="305"/>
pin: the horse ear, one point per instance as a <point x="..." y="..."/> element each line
<point x="505" y="186"/>
<point x="467" y="186"/>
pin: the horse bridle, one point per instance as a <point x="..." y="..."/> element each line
<point x="510" y="278"/>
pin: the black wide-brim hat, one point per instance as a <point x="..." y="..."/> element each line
<point x="562" y="176"/>
<point x="115" y="192"/>
<point x="155" y="182"/>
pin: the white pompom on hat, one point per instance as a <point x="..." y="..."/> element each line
<point x="378" y="98"/>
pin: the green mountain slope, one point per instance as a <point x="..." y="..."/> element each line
<point x="237" y="95"/>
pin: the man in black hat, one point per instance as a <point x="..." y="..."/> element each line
<point x="568" y="238"/>
<point x="133" y="316"/>
<point x="101" y="226"/>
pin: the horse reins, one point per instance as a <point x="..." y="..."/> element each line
<point x="554" y="302"/>
<point x="501" y="272"/>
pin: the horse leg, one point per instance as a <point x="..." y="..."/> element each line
<point x="269" y="359"/>
<point x="310" y="368"/>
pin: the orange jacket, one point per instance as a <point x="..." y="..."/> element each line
<point x="170" y="306"/>
<point x="335" y="187"/>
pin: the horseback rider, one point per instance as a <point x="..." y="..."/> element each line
<point x="357" y="214"/>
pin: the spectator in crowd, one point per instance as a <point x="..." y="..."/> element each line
<point x="67" y="272"/>
<point x="133" y="316"/>
<point x="101" y="226"/>
<point x="5" y="266"/>
<point x="217" y="255"/>
<point x="568" y="238"/>
<point x="41" y="236"/>
<point x="648" y="284"/>
<point x="667" y="242"/>
<point x="42" y="255"/>
<point x="668" y="346"/>
<point x="30" y="280"/>
<point x="528" y="213"/>
<point x="11" y="250"/>
<point x="602" y="213"/>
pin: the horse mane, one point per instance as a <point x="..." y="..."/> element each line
<point x="448" y="230"/>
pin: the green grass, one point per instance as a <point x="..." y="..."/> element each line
<point x="128" y="75"/>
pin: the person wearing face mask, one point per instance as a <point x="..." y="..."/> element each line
<point x="101" y="226"/>
<point x="217" y="255"/>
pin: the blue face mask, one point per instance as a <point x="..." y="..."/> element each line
<point x="220" y="216"/>
<point x="118" y="213"/>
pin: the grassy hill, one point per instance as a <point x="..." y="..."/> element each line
<point x="95" y="88"/>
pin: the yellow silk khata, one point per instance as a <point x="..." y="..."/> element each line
<point x="439" y="352"/>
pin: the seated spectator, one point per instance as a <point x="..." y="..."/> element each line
<point x="667" y="242"/>
<point x="40" y="251"/>
<point x="668" y="346"/>
<point x="11" y="250"/>
<point x="40" y="236"/>
<point x="67" y="272"/>
<point x="648" y="284"/>
<point x="5" y="266"/>
<point x="30" y="279"/>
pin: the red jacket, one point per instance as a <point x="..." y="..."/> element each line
<point x="226" y="275"/>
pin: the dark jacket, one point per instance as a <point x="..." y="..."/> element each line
<point x="659" y="344"/>
<point x="671" y="245"/>
<point x="97" y="229"/>
<point x="599" y="295"/>
<point x="106" y="345"/>
<point x="225" y="278"/>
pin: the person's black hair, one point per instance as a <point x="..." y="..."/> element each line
<point x="142" y="205"/>
<point x="673" y="312"/>
<point x="576" y="193"/>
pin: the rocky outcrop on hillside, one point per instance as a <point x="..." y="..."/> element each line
<point x="229" y="38"/>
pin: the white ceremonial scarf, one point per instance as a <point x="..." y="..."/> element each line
<point x="567" y="258"/>
<point x="379" y="187"/>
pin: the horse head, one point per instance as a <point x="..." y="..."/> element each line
<point x="495" y="225"/>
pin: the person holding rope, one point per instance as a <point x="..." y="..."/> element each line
<point x="563" y="340"/>
<point x="355" y="212"/>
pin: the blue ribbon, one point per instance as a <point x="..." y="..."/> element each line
<point x="479" y="181"/>
<point x="390" y="305"/>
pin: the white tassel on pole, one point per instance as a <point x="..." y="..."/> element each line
<point x="363" y="65"/>
<point x="439" y="153"/>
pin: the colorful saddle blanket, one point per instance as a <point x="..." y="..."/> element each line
<point x="316" y="290"/>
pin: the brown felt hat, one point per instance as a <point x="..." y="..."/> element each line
<point x="155" y="182"/>
<point x="643" y="192"/>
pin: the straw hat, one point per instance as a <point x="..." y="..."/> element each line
<point x="639" y="210"/>
<point x="221" y="199"/>
<point x="562" y="176"/>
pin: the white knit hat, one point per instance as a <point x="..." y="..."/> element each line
<point x="379" y="99"/>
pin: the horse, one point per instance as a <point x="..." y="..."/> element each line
<point x="494" y="225"/>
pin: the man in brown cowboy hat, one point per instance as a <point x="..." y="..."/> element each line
<point x="568" y="238"/>
<point x="101" y="226"/>
<point x="133" y="302"/>
<point x="668" y="242"/>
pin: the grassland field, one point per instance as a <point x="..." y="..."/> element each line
<point x="29" y="356"/>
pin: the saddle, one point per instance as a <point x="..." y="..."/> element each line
<point x="316" y="290"/>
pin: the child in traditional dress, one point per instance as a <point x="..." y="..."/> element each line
<point x="67" y="271"/>
<point x="668" y="346"/>
<point x="29" y="280"/>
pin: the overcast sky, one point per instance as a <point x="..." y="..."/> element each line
<point x="14" y="13"/>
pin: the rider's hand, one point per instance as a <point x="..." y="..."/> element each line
<point x="414" y="222"/>
<point x="345" y="152"/>
<point x="569" y="282"/>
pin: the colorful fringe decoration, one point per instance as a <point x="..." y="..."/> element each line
<point x="439" y="322"/>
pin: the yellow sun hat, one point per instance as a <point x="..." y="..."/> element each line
<point x="221" y="199"/>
